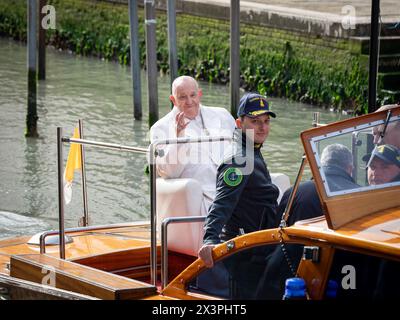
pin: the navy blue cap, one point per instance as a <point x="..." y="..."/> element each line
<point x="253" y="105"/>
<point x="387" y="152"/>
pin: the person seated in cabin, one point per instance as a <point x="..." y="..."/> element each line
<point x="189" y="118"/>
<point x="392" y="134"/>
<point x="337" y="163"/>
<point x="383" y="165"/>
<point x="246" y="199"/>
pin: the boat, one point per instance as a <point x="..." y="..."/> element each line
<point x="359" y="232"/>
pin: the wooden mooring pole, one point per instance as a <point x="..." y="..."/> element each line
<point x="373" y="56"/>
<point x="235" y="56"/>
<point x="31" y="117"/>
<point x="42" y="43"/>
<point x="135" y="60"/>
<point x="173" y="56"/>
<point x="151" y="59"/>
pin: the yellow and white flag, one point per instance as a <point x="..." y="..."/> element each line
<point x="74" y="162"/>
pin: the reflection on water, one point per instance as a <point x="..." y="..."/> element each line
<point x="99" y="92"/>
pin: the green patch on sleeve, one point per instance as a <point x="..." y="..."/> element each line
<point x="233" y="177"/>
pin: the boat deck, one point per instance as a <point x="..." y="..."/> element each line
<point x="378" y="232"/>
<point x="85" y="244"/>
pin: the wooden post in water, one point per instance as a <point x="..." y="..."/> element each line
<point x="173" y="57"/>
<point x="373" y="56"/>
<point x="31" y="117"/>
<point x="151" y="59"/>
<point x="235" y="56"/>
<point x="135" y="60"/>
<point x="42" y="43"/>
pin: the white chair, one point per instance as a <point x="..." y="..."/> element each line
<point x="183" y="198"/>
<point x="282" y="181"/>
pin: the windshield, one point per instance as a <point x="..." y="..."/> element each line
<point x="360" y="158"/>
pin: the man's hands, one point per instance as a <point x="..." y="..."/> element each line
<point x="180" y="123"/>
<point x="205" y="254"/>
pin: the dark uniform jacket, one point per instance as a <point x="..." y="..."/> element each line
<point x="338" y="179"/>
<point x="396" y="178"/>
<point x="245" y="201"/>
<point x="306" y="203"/>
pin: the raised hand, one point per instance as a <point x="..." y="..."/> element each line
<point x="180" y="123"/>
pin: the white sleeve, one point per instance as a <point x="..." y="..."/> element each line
<point x="171" y="161"/>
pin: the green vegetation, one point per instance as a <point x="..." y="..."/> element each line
<point x="272" y="62"/>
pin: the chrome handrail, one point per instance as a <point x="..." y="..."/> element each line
<point x="105" y="145"/>
<point x="152" y="150"/>
<point x="42" y="238"/>
<point x="153" y="203"/>
<point x="60" y="140"/>
<point x="316" y="120"/>
<point x="164" y="240"/>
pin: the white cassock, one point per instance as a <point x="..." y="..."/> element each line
<point x="197" y="161"/>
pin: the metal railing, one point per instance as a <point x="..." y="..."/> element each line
<point x="44" y="235"/>
<point x="60" y="140"/>
<point x="316" y="122"/>
<point x="164" y="242"/>
<point x="153" y="203"/>
<point x="152" y="151"/>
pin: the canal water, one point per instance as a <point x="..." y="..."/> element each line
<point x="99" y="93"/>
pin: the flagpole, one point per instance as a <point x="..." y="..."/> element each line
<point x="85" y="219"/>
<point x="60" y="193"/>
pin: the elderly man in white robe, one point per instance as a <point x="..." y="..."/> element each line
<point x="189" y="118"/>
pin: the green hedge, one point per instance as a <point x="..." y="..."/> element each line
<point x="274" y="66"/>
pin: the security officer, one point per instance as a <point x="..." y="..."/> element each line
<point x="246" y="199"/>
<point x="383" y="165"/>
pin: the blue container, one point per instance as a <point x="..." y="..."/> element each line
<point x="331" y="289"/>
<point x="295" y="289"/>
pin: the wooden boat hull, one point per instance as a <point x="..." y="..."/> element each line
<point x="18" y="289"/>
<point x="103" y="264"/>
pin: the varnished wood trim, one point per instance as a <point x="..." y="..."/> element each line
<point x="19" y="289"/>
<point x="74" y="277"/>
<point x="13" y="241"/>
<point x="178" y="287"/>
<point x="346" y="208"/>
<point x="316" y="273"/>
<point x="363" y="246"/>
<point x="120" y="259"/>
